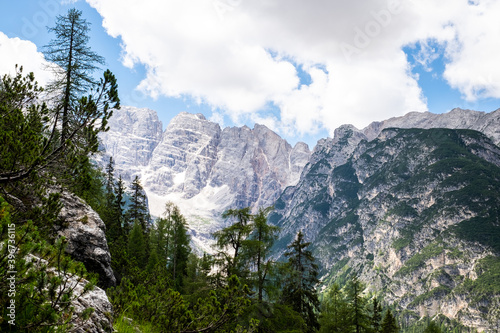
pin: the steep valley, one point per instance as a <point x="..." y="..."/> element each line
<point x="410" y="204"/>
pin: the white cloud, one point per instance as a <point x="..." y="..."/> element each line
<point x="23" y="53"/>
<point x="474" y="68"/>
<point x="236" y="55"/>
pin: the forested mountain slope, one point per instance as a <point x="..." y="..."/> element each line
<point x="415" y="213"/>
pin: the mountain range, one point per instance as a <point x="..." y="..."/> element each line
<point x="410" y="204"/>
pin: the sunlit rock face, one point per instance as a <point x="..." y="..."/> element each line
<point x="413" y="212"/>
<point x="199" y="166"/>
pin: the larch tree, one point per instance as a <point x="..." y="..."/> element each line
<point x="73" y="64"/>
<point x="233" y="238"/>
<point x="259" y="244"/>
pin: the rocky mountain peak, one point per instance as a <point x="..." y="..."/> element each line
<point x="134" y="134"/>
<point x="487" y="123"/>
<point x="202" y="168"/>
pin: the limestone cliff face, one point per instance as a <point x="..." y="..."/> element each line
<point x="412" y="212"/>
<point x="134" y="135"/>
<point x="202" y="168"/>
<point x="86" y="239"/>
<point x="487" y="123"/>
<point x="408" y="203"/>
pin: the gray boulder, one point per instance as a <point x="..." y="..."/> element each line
<point x="85" y="233"/>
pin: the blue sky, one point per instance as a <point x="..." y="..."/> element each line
<point x="301" y="68"/>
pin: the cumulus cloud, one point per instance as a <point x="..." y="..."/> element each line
<point x="24" y="53"/>
<point x="240" y="56"/>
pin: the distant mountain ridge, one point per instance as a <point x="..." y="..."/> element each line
<point x="202" y="168"/>
<point x="413" y="212"/>
<point x="410" y="204"/>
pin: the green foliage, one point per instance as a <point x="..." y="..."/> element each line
<point x="257" y="249"/>
<point x="418" y="260"/>
<point x="358" y="305"/>
<point x="233" y="237"/>
<point x="155" y="302"/>
<point x="433" y="327"/>
<point x="389" y="324"/>
<point x="138" y="209"/>
<point x="376" y="316"/>
<point x="487" y="283"/>
<point x="435" y="292"/>
<point x="299" y="291"/>
<point x="137" y="245"/>
<point x="38" y="277"/>
<point x="335" y="312"/>
<point x="75" y="63"/>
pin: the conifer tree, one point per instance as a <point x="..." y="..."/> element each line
<point x="389" y="324"/>
<point x="300" y="288"/>
<point x="138" y="210"/>
<point x="357" y="303"/>
<point x="74" y="61"/>
<point x="335" y="313"/>
<point x="433" y="327"/>
<point x="376" y="315"/>
<point x="137" y="245"/>
<point x="262" y="238"/>
<point x="180" y="249"/>
<point x="110" y="181"/>
<point x="233" y="237"/>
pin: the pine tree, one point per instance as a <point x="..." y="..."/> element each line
<point x="433" y="327"/>
<point x="137" y="245"/>
<point x="389" y="324"/>
<point x="300" y="288"/>
<point x="110" y="181"/>
<point x="260" y="242"/>
<point x="180" y="249"/>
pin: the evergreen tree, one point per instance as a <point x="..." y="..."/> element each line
<point x="137" y="245"/>
<point x="357" y="303"/>
<point x="433" y="327"/>
<point x="180" y="249"/>
<point x="259" y="245"/>
<point x="117" y="227"/>
<point x="389" y="324"/>
<point x="138" y="209"/>
<point x="300" y="288"/>
<point x="152" y="260"/>
<point x="335" y="312"/>
<point x="376" y="315"/>
<point x="110" y="181"/>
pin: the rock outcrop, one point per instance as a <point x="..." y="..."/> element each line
<point x="486" y="123"/>
<point x="101" y="320"/>
<point x="86" y="239"/>
<point x="412" y="212"/>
